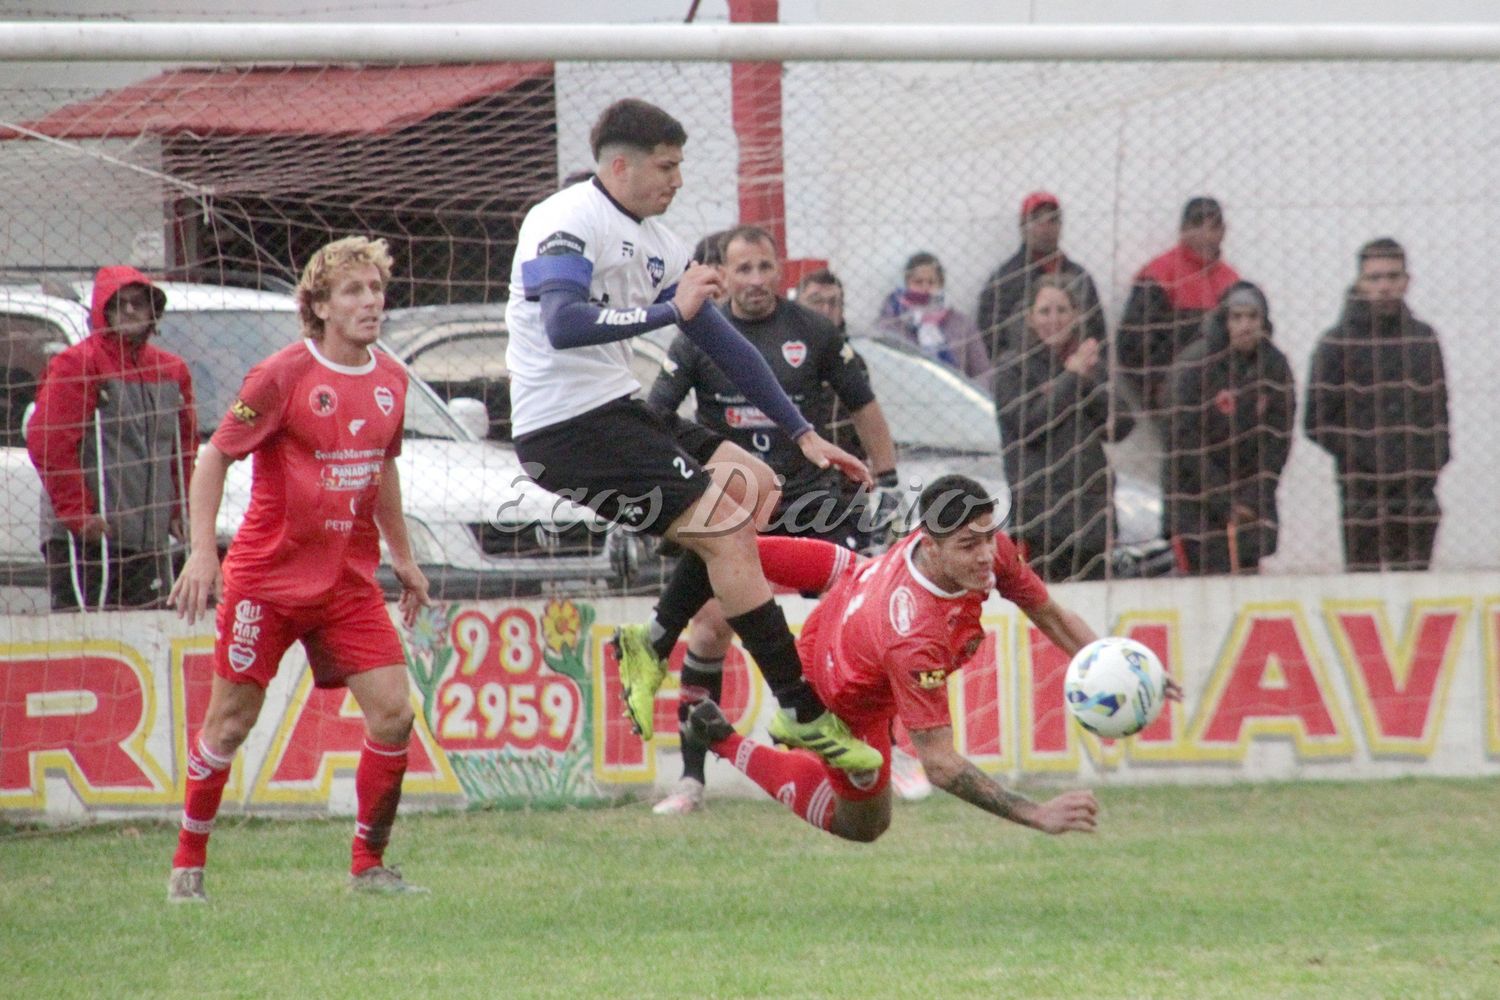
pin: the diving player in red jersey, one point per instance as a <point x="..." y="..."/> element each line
<point x="880" y="646"/>
<point x="324" y="419"/>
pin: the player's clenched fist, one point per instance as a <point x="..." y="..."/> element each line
<point x="698" y="284"/>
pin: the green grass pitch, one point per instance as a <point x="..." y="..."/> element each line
<point x="1377" y="889"/>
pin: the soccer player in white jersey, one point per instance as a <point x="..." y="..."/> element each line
<point x="595" y="267"/>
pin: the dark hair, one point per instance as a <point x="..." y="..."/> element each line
<point x="1057" y="281"/>
<point x="710" y="249"/>
<point x="822" y="276"/>
<point x="1383" y="247"/>
<point x="637" y="125"/>
<point x="1200" y="209"/>
<point x="750" y="234"/>
<point x="923" y="259"/>
<point x="950" y="502"/>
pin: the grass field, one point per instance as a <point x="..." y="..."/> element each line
<point x="1308" y="890"/>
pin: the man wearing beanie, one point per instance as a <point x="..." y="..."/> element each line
<point x="1167" y="303"/>
<point x="1230" y="419"/>
<point x="1005" y="292"/>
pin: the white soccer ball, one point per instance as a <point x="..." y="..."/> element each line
<point x="1115" y="687"/>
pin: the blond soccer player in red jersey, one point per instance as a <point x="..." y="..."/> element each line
<point x="324" y="419"/>
<point x="880" y="646"/>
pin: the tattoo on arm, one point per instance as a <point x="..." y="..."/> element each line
<point x="977" y="788"/>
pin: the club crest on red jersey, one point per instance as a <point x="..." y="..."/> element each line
<point x="385" y="399"/>
<point x="795" y="352"/>
<point x="903" y="610"/>
<point x="323" y="400"/>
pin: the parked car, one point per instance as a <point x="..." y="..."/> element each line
<point x="479" y="527"/>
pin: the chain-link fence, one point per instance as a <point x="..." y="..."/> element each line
<point x="219" y="182"/>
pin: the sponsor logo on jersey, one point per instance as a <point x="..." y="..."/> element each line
<point x="338" y="527"/>
<point x="657" y="269"/>
<point x="620" y="317"/>
<point x="627" y="248"/>
<point x="903" y="610"/>
<point x="746" y="416"/>
<point x="242" y="411"/>
<point x="385" y="399"/>
<point x="241" y="658"/>
<point x="323" y="400"/>
<point x="354" y="476"/>
<point x="795" y="352"/>
<point x="930" y="680"/>
<point x="560" y="244"/>
<point x="248" y="612"/>
<point x="355" y="425"/>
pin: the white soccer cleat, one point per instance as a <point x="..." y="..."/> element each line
<point x="908" y="777"/>
<point x="686" y="797"/>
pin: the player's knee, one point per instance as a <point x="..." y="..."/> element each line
<point x="862" y="823"/>
<point x="390" y="723"/>
<point x="225" y="731"/>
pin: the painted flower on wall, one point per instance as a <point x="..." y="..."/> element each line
<point x="562" y="625"/>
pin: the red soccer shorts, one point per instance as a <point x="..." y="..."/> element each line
<point x="350" y="634"/>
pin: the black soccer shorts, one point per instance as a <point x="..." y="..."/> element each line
<point x="630" y="462"/>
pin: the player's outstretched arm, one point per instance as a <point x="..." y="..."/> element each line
<point x="1075" y="811"/>
<point x="824" y="454"/>
<point x="200" y="578"/>
<point x="1067" y="630"/>
<point x="392" y="524"/>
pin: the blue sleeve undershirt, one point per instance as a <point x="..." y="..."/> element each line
<point x="746" y="368"/>
<point x="561" y="285"/>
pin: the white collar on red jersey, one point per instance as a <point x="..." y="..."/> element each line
<point x="364" y="369"/>
<point x="927" y="584"/>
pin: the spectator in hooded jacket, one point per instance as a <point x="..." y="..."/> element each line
<point x="114" y="437"/>
<point x="918" y="314"/>
<point x="1230" y="419"/>
<point x="1167" y="303"/>
<point x="1056" y="410"/>
<point x="1002" y="301"/>
<point x="1377" y="401"/>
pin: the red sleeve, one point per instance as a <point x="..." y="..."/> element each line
<point x="64" y="402"/>
<point x="1014" y="580"/>
<point x="918" y="674"/>
<point x="187" y="429"/>
<point x="806" y="565"/>
<point x="394" y="448"/>
<point x="255" y="415"/>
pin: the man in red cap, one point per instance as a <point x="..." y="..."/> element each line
<point x="113" y="438"/>
<point x="1003" y="297"/>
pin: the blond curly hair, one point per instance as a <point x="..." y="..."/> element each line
<point x="323" y="270"/>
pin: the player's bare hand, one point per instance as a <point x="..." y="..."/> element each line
<point x="700" y="283"/>
<point x="413" y="591"/>
<point x="94" y="528"/>
<point x="199" y="581"/>
<point x="1071" y="812"/>
<point x="824" y="454"/>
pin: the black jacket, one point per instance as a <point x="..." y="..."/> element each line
<point x="1003" y="298"/>
<point x="1229" y="434"/>
<point x="1053" y="425"/>
<point x="1377" y="395"/>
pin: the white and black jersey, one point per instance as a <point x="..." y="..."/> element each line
<point x="584" y="235"/>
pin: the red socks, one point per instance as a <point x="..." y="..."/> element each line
<point x="377" y="789"/>
<point x="795" y="778"/>
<point x="207" y="774"/>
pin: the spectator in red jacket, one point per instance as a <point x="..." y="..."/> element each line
<point x="1168" y="301"/>
<point x="113" y="438"/>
